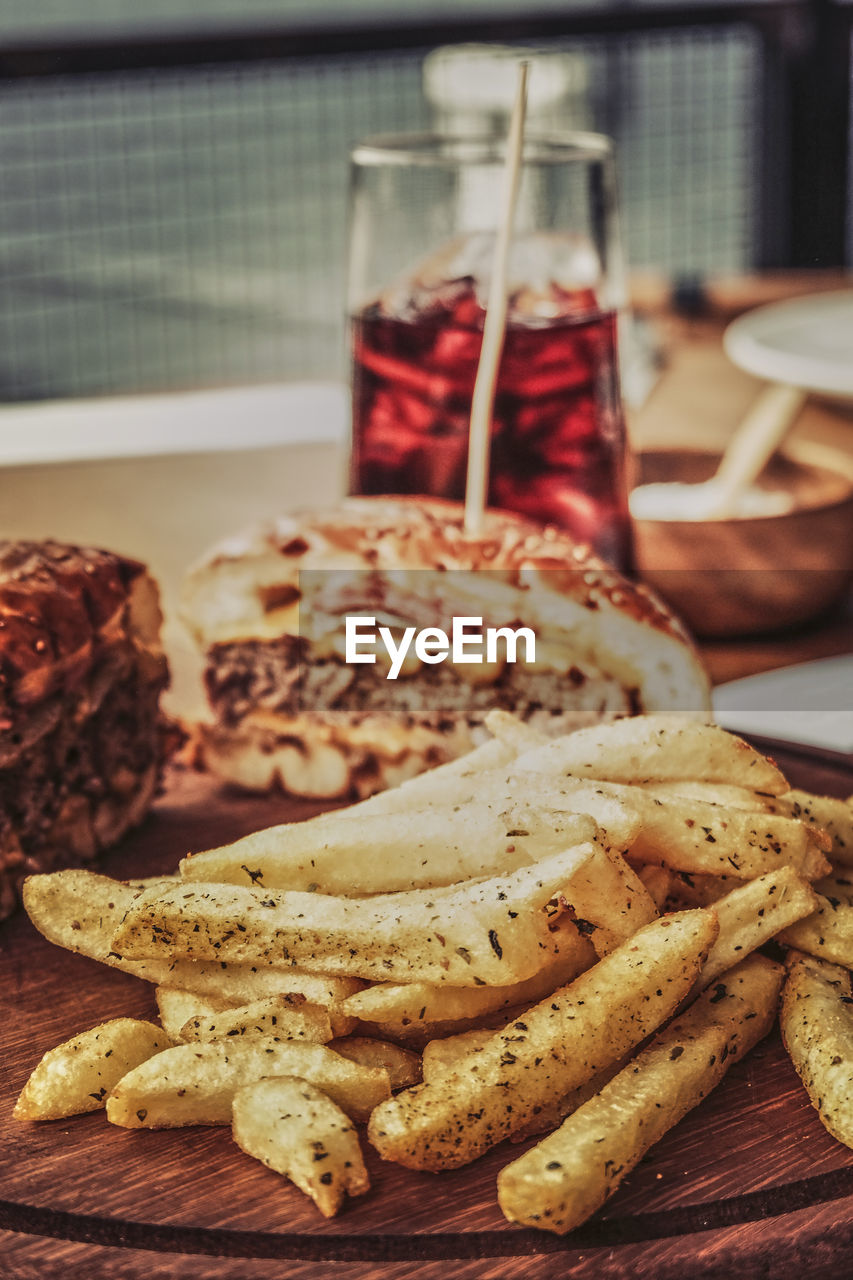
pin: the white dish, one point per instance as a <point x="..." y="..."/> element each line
<point x="809" y="705"/>
<point x="805" y="342"/>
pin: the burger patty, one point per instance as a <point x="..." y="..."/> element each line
<point x="281" y="676"/>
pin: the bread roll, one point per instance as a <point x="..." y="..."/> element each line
<point x="268" y="607"/>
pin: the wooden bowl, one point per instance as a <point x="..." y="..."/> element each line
<point x="760" y="573"/>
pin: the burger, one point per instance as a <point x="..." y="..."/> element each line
<point x="312" y="688"/>
<point x="81" y="737"/>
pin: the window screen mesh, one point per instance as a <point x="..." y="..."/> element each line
<point x="161" y="230"/>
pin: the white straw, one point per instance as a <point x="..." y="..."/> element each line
<point x="494" y="328"/>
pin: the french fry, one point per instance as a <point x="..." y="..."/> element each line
<point x="690" y="835"/>
<point x="656" y="748"/>
<point x="609" y="901"/>
<point x="753" y="913"/>
<point x="403" y="1066"/>
<point x="556" y="1046"/>
<point x="567" y="1176"/>
<point x="238" y="984"/>
<point x="80" y="911"/>
<point x="551" y="1117"/>
<point x="77" y="1075"/>
<point x="176" y="1007"/>
<point x="196" y="1083"/>
<point x="657" y="882"/>
<point x="817" y="1030"/>
<point x="834" y="816"/>
<point x="827" y="933"/>
<point x="457" y="781"/>
<point x="562" y="801"/>
<point x="444" y="1055"/>
<point x="399" y="1005"/>
<point x="487" y="932"/>
<point x="838" y="884"/>
<point x="683" y="834"/>
<point x="388" y="853"/>
<point x="695" y="889"/>
<point x="284" y="1017"/>
<point x="295" y="1129"/>
<point x="724" y="793"/>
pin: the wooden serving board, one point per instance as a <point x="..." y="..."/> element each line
<point x="749" y="1184"/>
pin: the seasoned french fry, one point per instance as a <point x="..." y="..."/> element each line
<point x="549" y="1118"/>
<point x="690" y="835"/>
<point x="196" y="1083"/>
<point x="441" y="1056"/>
<point x="80" y="911"/>
<point x="492" y="931"/>
<point x="388" y="853"/>
<point x="827" y="933"/>
<point x="238" y="984"/>
<point x="413" y="1003"/>
<point x="609" y="901"/>
<point x="656" y="748"/>
<point x="176" y="1007"/>
<point x="403" y="1066"/>
<point x="657" y="882"/>
<point x="295" y="1129"/>
<point x="817" y="1029"/>
<point x="284" y="1017"/>
<point x="555" y="1047"/>
<point x="834" y="816"/>
<point x="559" y="801"/>
<point x="567" y="1176"/>
<point x="838" y="884"/>
<point x="451" y="783"/>
<point x="415" y="1035"/>
<point x="77" y="1075"/>
<point x="695" y="889"/>
<point x="724" y="793"/>
<point x="683" y="834"/>
<point x="753" y="913"/>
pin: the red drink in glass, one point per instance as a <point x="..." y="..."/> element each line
<point x="558" y="435"/>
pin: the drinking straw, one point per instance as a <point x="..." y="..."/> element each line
<point x="494" y="328"/>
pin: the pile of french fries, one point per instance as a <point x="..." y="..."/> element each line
<point x="545" y="937"/>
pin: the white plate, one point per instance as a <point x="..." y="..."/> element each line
<point x="806" y="342"/>
<point x="808" y="705"/>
